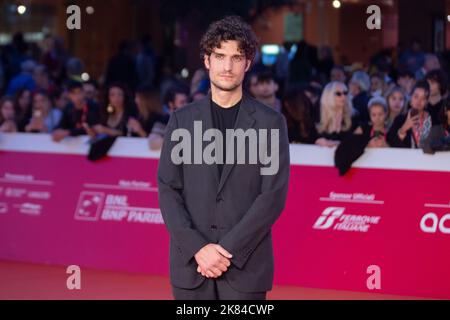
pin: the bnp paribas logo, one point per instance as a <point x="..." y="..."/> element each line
<point x="73" y="21"/>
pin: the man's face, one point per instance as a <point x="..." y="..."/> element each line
<point x="76" y="96"/>
<point x="337" y="75"/>
<point x="180" y="101"/>
<point x="406" y="83"/>
<point x="90" y="91"/>
<point x="376" y="84"/>
<point x="267" y="89"/>
<point x="227" y="66"/>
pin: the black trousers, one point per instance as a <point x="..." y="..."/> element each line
<point x="215" y="289"/>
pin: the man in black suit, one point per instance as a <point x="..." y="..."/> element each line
<point x="220" y="213"/>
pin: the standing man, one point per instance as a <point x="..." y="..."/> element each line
<point x="220" y="215"/>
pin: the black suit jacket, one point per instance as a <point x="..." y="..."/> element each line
<point x="72" y="116"/>
<point x="236" y="210"/>
<point x="393" y="139"/>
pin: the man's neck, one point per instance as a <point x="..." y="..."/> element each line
<point x="270" y="101"/>
<point x="226" y="99"/>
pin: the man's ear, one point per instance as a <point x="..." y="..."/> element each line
<point x="249" y="64"/>
<point x="206" y="61"/>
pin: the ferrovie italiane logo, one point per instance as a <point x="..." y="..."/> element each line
<point x="335" y="219"/>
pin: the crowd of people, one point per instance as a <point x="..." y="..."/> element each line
<point x="401" y="105"/>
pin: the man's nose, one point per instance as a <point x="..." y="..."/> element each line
<point x="228" y="65"/>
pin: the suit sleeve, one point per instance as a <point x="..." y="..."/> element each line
<point x="66" y="123"/>
<point x="393" y="139"/>
<point x="170" y="184"/>
<point x="244" y="238"/>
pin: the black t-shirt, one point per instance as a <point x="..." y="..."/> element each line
<point x="73" y="118"/>
<point x="223" y="119"/>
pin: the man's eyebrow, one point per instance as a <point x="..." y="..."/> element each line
<point x="223" y="54"/>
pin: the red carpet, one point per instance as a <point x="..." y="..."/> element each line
<point x="42" y="282"/>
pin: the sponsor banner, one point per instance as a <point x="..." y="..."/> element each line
<point x="63" y="209"/>
<point x="59" y="208"/>
<point x="334" y="230"/>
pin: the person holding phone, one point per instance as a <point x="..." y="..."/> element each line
<point x="116" y="113"/>
<point x="375" y="132"/>
<point x="44" y="118"/>
<point x="439" y="138"/>
<point x="412" y="129"/>
<point x="76" y="114"/>
<point x="7" y="115"/>
<point x="371" y="135"/>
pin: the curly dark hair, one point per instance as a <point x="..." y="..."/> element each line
<point x="228" y="29"/>
<point x="440" y="77"/>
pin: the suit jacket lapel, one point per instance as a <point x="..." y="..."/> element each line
<point x="244" y="121"/>
<point x="203" y="114"/>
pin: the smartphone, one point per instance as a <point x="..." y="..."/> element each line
<point x="37" y="114"/>
<point x="414" y="113"/>
<point x="378" y="134"/>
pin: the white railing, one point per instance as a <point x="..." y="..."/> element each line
<point x="310" y="155"/>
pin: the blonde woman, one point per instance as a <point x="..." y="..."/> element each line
<point x="396" y="101"/>
<point x="336" y="115"/>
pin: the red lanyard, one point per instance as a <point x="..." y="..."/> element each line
<point x="83" y="118"/>
<point x="417" y="131"/>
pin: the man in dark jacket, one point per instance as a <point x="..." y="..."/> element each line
<point x="80" y="114"/>
<point x="219" y="214"/>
